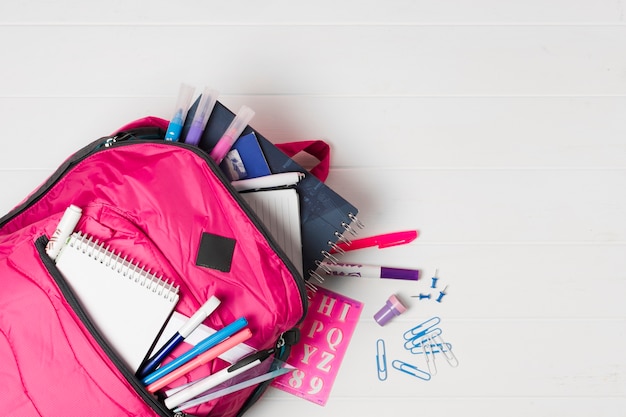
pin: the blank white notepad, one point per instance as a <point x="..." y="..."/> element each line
<point x="127" y="304"/>
<point x="279" y="211"/>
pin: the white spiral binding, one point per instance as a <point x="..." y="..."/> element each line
<point x="332" y="245"/>
<point x="124" y="267"/>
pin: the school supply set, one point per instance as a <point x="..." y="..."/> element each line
<point x="161" y="220"/>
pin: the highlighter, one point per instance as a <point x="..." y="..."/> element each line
<point x="233" y="132"/>
<point x="180" y="112"/>
<point x="200" y="119"/>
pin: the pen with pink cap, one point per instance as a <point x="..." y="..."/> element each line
<point x="382" y="241"/>
<point x="233" y="132"/>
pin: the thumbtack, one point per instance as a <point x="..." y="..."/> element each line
<point x="434" y="283"/>
<point x="441" y="294"/>
<point x="422" y="296"/>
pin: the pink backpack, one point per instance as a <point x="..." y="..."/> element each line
<point x="156" y="200"/>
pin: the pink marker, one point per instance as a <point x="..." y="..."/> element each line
<point x="382" y="241"/>
<point x="200" y="360"/>
<point x="233" y="132"/>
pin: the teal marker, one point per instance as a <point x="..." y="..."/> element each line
<point x="178" y="119"/>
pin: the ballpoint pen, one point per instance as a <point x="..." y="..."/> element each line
<point x="201" y="117"/>
<point x="180" y="112"/>
<point x="190" y="325"/>
<point x="201" y="359"/>
<point x="211" y="381"/>
<point x="382" y="241"/>
<point x="232" y="133"/>
<point x="201" y="347"/>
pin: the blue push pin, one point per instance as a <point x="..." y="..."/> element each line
<point x="422" y="296"/>
<point x="434" y="283"/>
<point x="442" y="293"/>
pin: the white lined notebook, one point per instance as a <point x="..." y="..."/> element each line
<point x="279" y="211"/>
<point x="127" y="304"/>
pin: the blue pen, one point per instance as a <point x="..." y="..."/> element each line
<point x="201" y="347"/>
<point x="178" y="119"/>
<point x="189" y="326"/>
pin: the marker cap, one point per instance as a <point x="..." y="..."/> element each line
<point x="399" y="273"/>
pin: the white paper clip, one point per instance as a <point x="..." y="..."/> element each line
<point x="409" y="369"/>
<point x="447" y="353"/>
<point x="381" y="359"/>
<point x="421" y="329"/>
<point x="427" y="348"/>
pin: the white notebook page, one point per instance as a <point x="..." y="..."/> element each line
<point x="127" y="305"/>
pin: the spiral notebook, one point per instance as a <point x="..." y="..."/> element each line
<point x="127" y="304"/>
<point x="325" y="215"/>
<point x="279" y="211"/>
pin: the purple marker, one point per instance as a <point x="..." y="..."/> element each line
<point x="200" y="119"/>
<point x="392" y="308"/>
<point x="371" y="271"/>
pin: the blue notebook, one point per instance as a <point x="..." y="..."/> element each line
<point x="245" y="159"/>
<point x="324" y="215"/>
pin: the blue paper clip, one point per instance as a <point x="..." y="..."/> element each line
<point x="421" y="329"/>
<point x="409" y="369"/>
<point x="434" y="348"/>
<point x="417" y="341"/>
<point x="381" y="359"/>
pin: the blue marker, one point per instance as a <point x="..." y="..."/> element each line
<point x="178" y="119"/>
<point x="189" y="326"/>
<point x="201" y="347"/>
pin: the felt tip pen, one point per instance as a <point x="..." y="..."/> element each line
<point x="64" y="229"/>
<point x="190" y="325"/>
<point x="382" y="241"/>
<point x="233" y="132"/>
<point x="201" y="347"/>
<point x="201" y="117"/>
<point x="180" y="112"/>
<point x="205" y="384"/>
<point x="370" y="271"/>
<point x="201" y="359"/>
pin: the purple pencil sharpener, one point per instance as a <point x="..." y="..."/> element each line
<point x="392" y="308"/>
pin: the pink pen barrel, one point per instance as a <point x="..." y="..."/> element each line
<point x="202" y="359"/>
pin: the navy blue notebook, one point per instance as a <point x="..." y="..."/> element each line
<point x="324" y="215"/>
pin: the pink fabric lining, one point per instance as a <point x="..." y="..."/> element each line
<point x="152" y="201"/>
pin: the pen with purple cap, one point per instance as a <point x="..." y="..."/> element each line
<point x="369" y="271"/>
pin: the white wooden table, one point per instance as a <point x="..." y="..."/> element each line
<point x="495" y="128"/>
